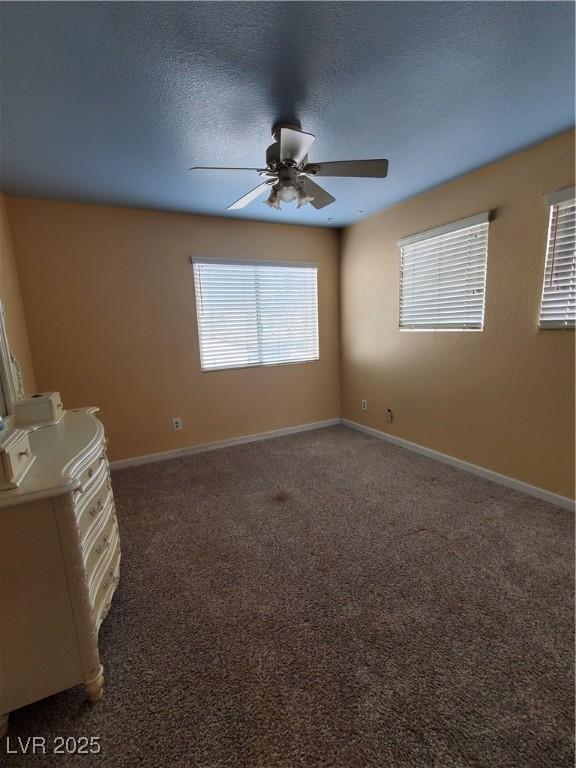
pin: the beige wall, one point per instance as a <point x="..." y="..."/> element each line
<point x="503" y="398"/>
<point x="109" y="304"/>
<point x="109" y="299"/>
<point x="11" y="297"/>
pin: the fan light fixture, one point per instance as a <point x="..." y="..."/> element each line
<point x="288" y="192"/>
<point x="274" y="199"/>
<point x="304" y="198"/>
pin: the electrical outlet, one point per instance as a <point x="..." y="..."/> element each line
<point x="177" y="424"/>
<point x="388" y="415"/>
<point x="364" y="405"/>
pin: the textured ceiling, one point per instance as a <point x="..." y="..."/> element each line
<point x="112" y="102"/>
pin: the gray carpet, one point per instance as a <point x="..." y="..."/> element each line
<point x="326" y="599"/>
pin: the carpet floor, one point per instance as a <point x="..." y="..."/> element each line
<point x="328" y="600"/>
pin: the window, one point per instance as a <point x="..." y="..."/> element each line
<point x="255" y="313"/>
<point x="558" y="306"/>
<point x="443" y="277"/>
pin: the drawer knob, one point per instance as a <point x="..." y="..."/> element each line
<point x="104" y="545"/>
<point x="109" y="580"/>
<point x="90" y="472"/>
<point x="94" y="511"/>
<point x="113" y="578"/>
<point x="26" y="453"/>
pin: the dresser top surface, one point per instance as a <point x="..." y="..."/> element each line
<point x="62" y="451"/>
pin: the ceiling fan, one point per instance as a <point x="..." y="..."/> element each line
<point x="289" y="171"/>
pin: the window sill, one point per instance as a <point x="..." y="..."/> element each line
<point x="259" y="365"/>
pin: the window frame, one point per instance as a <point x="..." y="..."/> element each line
<point x="553" y="200"/>
<point x="445" y="229"/>
<point x="303" y="264"/>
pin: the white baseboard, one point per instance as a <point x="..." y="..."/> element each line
<point x="149" y="458"/>
<point x="474" y="469"/>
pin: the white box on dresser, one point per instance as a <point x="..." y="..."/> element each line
<point x="38" y="408"/>
<point x="59" y="564"/>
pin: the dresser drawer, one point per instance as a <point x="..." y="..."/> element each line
<point x="99" y="544"/>
<point x="93" y="504"/>
<point x="88" y="475"/>
<point x="85" y="493"/>
<point x="101" y="578"/>
<point x="105" y="586"/>
<point x="16" y="458"/>
<point x="99" y="506"/>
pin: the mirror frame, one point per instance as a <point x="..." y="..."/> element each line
<point x="10" y="376"/>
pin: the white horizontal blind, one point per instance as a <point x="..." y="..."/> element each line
<point x="558" y="307"/>
<point x="255" y="313"/>
<point x="443" y="277"/>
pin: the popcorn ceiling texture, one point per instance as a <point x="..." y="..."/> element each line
<point x="327" y="599"/>
<point x="113" y="102"/>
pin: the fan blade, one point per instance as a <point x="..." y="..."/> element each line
<point x="220" y="168"/>
<point x="321" y="198"/>
<point x="249" y="197"/>
<point x="376" y="169"/>
<point x="294" y="145"/>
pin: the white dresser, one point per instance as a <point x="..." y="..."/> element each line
<point x="59" y="564"/>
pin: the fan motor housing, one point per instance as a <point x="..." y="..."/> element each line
<point x="273" y="151"/>
<point x="273" y="158"/>
<point x="273" y="155"/>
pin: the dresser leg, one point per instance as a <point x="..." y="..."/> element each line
<point x="95" y="688"/>
<point x="4" y="724"/>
